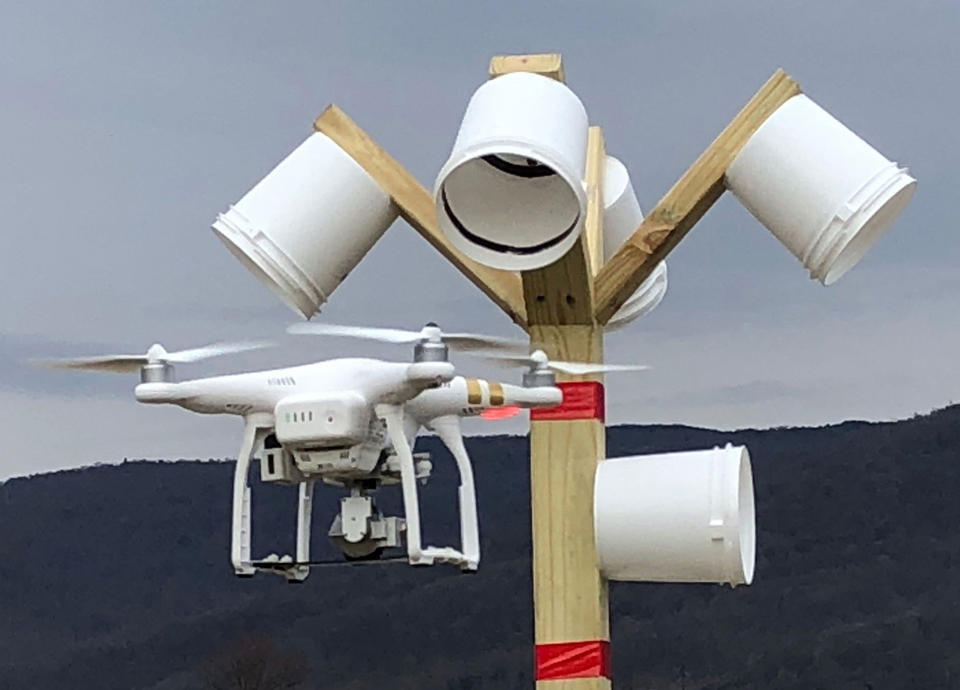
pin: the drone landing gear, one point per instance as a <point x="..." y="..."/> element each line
<point x="294" y="570"/>
<point x="449" y="430"/>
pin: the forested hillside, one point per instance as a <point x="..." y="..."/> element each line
<point x="117" y="577"/>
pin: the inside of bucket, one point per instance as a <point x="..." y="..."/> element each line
<point x="510" y="203"/>
<point x="868" y="233"/>
<point x="746" y="518"/>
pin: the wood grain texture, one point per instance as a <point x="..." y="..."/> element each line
<point x="686" y="202"/>
<point x="593" y="225"/>
<point x="575" y="684"/>
<point x="570" y="595"/>
<point x="562" y="293"/>
<point x="547" y="64"/>
<point x="416" y="207"/>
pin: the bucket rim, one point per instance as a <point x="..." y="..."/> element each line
<point x="296" y="291"/>
<point x="502" y="258"/>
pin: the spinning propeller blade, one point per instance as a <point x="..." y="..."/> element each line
<point x="214" y="350"/>
<point x="539" y="359"/>
<point x="121" y="364"/>
<point x="385" y="335"/>
<point x="464" y="342"/>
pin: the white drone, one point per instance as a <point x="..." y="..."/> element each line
<point x="350" y="422"/>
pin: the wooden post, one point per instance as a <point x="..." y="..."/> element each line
<point x="571" y="613"/>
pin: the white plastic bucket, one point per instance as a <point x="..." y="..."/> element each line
<point x="305" y="226"/>
<point x="511" y="195"/>
<point x="676" y="517"/>
<point x="621" y="217"/>
<point x="824" y="192"/>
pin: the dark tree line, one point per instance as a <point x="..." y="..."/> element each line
<point x="255" y="663"/>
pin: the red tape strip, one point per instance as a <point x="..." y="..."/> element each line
<point x="581" y="400"/>
<point x="589" y="659"/>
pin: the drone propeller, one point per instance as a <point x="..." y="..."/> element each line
<point x="538" y="360"/>
<point x="431" y="333"/>
<point x="155" y="355"/>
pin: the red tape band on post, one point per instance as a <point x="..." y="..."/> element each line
<point x="581" y="400"/>
<point x="590" y="659"/>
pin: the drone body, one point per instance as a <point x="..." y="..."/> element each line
<point x="348" y="422"/>
<point x="261" y="391"/>
<point x="351" y="423"/>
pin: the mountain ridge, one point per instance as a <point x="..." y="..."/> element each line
<point x="117" y="576"/>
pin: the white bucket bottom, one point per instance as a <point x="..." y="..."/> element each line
<point x="858" y="224"/>
<point x="677" y="517"/>
<point x="269" y="263"/>
<point x="508" y="210"/>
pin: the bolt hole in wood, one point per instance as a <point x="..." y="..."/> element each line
<point x="541" y="298"/>
<point x="571" y="300"/>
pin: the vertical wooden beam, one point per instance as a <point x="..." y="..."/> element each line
<point x="547" y="64"/>
<point x="561" y="294"/>
<point x="569" y="594"/>
<point x="593" y="227"/>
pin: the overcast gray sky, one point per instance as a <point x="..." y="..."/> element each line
<point x="126" y="127"/>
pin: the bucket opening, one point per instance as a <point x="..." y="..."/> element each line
<point x="890" y="206"/>
<point x="747" y="519"/>
<point x="276" y="272"/>
<point x="511" y="203"/>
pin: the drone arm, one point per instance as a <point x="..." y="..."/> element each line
<point x="429" y="374"/>
<point x="540" y="396"/>
<point x="253" y="435"/>
<point x="448" y="429"/>
<point x="463" y="396"/>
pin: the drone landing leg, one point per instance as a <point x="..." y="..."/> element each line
<point x="299" y="573"/>
<point x="253" y="436"/>
<point x="416" y="554"/>
<point x="393" y="416"/>
<point x="448" y="429"/>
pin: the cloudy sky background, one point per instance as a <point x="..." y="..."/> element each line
<point x="126" y="127"/>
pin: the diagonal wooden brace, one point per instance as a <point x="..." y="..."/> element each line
<point x="685" y="203"/>
<point x="416" y="207"/>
